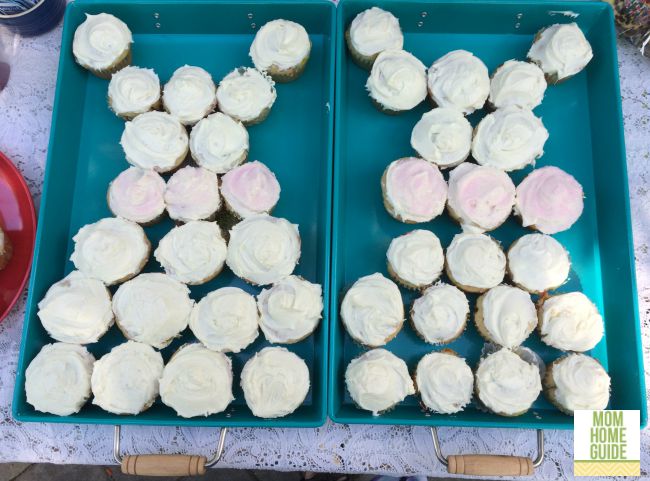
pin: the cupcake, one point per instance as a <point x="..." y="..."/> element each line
<point x="460" y="81"/>
<point x="517" y="84"/>
<point x="57" y="381"/>
<point x="193" y="253"/>
<point x="370" y="33"/>
<point x="125" y="381"/>
<point x="576" y="382"/>
<point x="250" y="189"/>
<point x="197" y="381"/>
<point x="77" y="309"/>
<point x="549" y="200"/>
<point x="219" y="143"/>
<point x="415" y="260"/>
<point x="290" y="310"/>
<point x="133" y="91"/>
<point x="442" y="136"/>
<point x="439" y="316"/>
<point x="509" y="139"/>
<point x="112" y="250"/>
<point x="192" y="193"/>
<point x="480" y="198"/>
<point x="570" y="322"/>
<point x="152" y="308"/>
<point x="6" y="249"/>
<point x="538" y="263"/>
<point x="444" y="381"/>
<point x="414" y="190"/>
<point x="281" y="49"/>
<point x="506" y="384"/>
<point x="275" y="382"/>
<point x="397" y="81"/>
<point x="102" y="44"/>
<point x="190" y="94"/>
<point x="505" y="315"/>
<point x="378" y="380"/>
<point x="155" y="140"/>
<point x="246" y="95"/>
<point x="561" y="51"/>
<point x="225" y="320"/>
<point x="137" y="195"/>
<point x="263" y="249"/>
<point x="372" y="310"/>
<point x="475" y="262"/>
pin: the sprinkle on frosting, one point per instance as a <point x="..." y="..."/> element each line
<point x="375" y="30"/>
<point x="219" y="143"/>
<point x="580" y="382"/>
<point x="245" y="93"/>
<point x="133" y="91"/>
<point x="537" y="263"/>
<point x="100" y="41"/>
<point x="442" y="136"/>
<point x="445" y="382"/>
<point x="279" y="44"/>
<point x="517" y="83"/>
<point x="561" y="50"/>
<point x="440" y="314"/>
<point x="137" y="194"/>
<point x="475" y="262"/>
<point x="250" y="189"/>
<point x="416" y="258"/>
<point x="508" y="315"/>
<point x="190" y="94"/>
<point x="192" y="193"/>
<point x="397" y="80"/>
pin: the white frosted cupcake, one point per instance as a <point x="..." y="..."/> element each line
<point x="516" y="83"/>
<point x="192" y="193"/>
<point x="133" y="91"/>
<point x="570" y="322"/>
<point x="415" y="260"/>
<point x="538" y="263"/>
<point x="475" y="262"/>
<point x="193" y="253"/>
<point x="225" y="320"/>
<point x="378" y="380"/>
<point x="250" y="189"/>
<point x="370" y="33"/>
<point x="112" y="250"/>
<point x="444" y="381"/>
<point x="442" y="136"/>
<point x="77" y="309"/>
<point x="125" y="381"/>
<point x="460" y="81"/>
<point x="275" y="382"/>
<point x="246" y="95"/>
<point x="155" y="140"/>
<point x="480" y="198"/>
<point x="152" y="308"/>
<point x="263" y="249"/>
<point x="509" y="139"/>
<point x="137" y="195"/>
<point x="281" y="48"/>
<point x="197" y="381"/>
<point x="397" y="81"/>
<point x="219" y="143"/>
<point x="57" y="381"/>
<point x="372" y="310"/>
<point x="440" y="315"/>
<point x="190" y="94"/>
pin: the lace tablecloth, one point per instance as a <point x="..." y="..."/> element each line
<point x="25" y="112"/>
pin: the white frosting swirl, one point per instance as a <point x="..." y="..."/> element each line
<point x="275" y="382"/>
<point x="290" y="310"/>
<point x="440" y="314"/>
<point x="125" y="381"/>
<point x="100" y="41"/>
<point x="192" y="193"/>
<point x="263" y="249"/>
<point x="225" y="320"/>
<point x="152" y="308"/>
<point x="133" y="90"/>
<point x="416" y="257"/>
<point x="509" y="315"/>
<point x="219" y="143"/>
<point x="77" y="309"/>
<point x="475" y="261"/>
<point x="537" y="263"/>
<point x="190" y="94"/>
<point x="561" y="50"/>
<point x="570" y="322"/>
<point x="192" y="253"/>
<point x="280" y="44"/>
<point x="197" y="381"/>
<point x="509" y="139"/>
<point x="507" y="384"/>
<point x="57" y="380"/>
<point x="459" y="80"/>
<point x="111" y="250"/>
<point x="517" y="83"/>
<point x="442" y="136"/>
<point x="397" y="81"/>
<point x="137" y="195"/>
<point x="375" y="30"/>
<point x="445" y="382"/>
<point x="372" y="310"/>
<point x="245" y="93"/>
<point x="580" y="383"/>
<point x="377" y="380"/>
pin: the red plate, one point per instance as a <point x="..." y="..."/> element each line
<point x="18" y="220"/>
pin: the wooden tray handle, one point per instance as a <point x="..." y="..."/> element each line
<point x="163" y="464"/>
<point x="489" y="465"/>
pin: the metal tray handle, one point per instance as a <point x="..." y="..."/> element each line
<point x="165" y="464"/>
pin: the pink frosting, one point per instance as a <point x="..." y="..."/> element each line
<point x="416" y="189"/>
<point x="250" y="189"/>
<point x="192" y="194"/>
<point x="550" y="199"/>
<point x="137" y="195"/>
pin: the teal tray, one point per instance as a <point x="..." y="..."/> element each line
<point x="84" y="156"/>
<point x="583" y="117"/>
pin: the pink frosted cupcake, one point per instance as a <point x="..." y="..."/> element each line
<point x="250" y="189"/>
<point x="137" y="195"/>
<point x="549" y="200"/>
<point x="414" y="190"/>
<point x="192" y="193"/>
